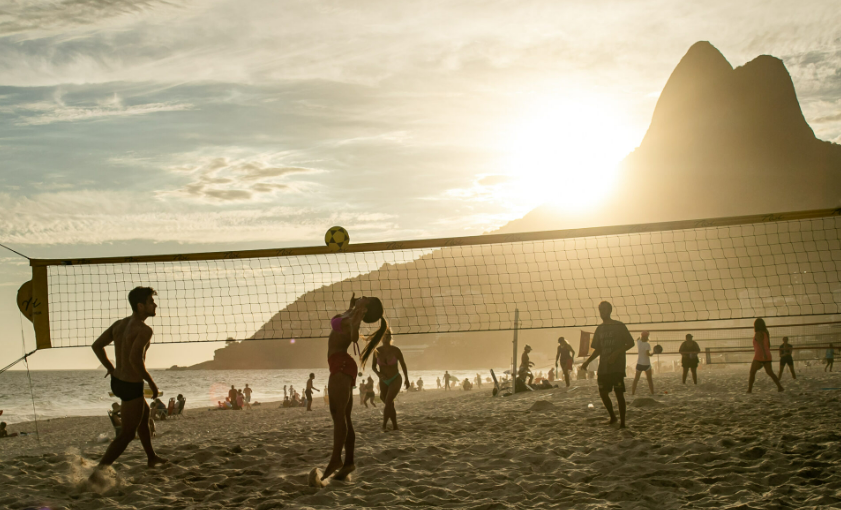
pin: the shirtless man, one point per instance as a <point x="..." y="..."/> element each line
<point x="131" y="338"/>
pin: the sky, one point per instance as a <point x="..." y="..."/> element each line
<point x="139" y="127"/>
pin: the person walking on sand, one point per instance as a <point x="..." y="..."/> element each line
<point x="786" y="359"/>
<point x="525" y="365"/>
<point x="343" y="373"/>
<point x="309" y="390"/>
<point x="830" y="358"/>
<point x="643" y="363"/>
<point x="689" y="351"/>
<point x="131" y="338"/>
<point x="369" y="392"/>
<point x="564" y="355"/>
<point x="247" y="393"/>
<point x="386" y="358"/>
<point x="610" y="341"/>
<point x="761" y="355"/>
<point x="446" y="381"/>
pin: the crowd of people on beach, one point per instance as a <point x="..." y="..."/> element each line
<point x="611" y="341"/>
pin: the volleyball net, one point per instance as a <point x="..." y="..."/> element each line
<point x="773" y="266"/>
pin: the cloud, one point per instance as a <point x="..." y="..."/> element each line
<point x="39" y="15"/>
<point x="224" y="179"/>
<point x="47" y="113"/>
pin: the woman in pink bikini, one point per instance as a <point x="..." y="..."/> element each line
<point x="762" y="355"/>
<point x="343" y="370"/>
<point x="386" y="357"/>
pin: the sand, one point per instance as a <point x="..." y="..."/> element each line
<point x="705" y="446"/>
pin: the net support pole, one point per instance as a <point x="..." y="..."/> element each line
<point x="40" y="307"/>
<point x="514" y="364"/>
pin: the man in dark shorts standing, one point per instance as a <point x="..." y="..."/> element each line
<point x="786" y="358"/>
<point x="610" y="341"/>
<point x="446" y="380"/>
<point x="689" y="351"/>
<point x="131" y="338"/>
<point x="564" y="355"/>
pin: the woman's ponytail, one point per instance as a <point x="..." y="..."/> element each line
<point x="373" y="341"/>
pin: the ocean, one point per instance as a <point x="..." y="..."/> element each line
<point x="60" y="393"/>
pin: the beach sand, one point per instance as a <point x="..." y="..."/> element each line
<point x="710" y="445"/>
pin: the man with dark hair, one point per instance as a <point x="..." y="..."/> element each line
<point x="131" y="338"/>
<point x="786" y="358"/>
<point x="564" y="355"/>
<point x="610" y="341"/>
<point x="689" y="351"/>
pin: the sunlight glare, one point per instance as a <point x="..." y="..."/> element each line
<point x="566" y="154"/>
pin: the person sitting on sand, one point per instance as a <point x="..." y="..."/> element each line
<point x="4" y="433"/>
<point x="446" y="381"/>
<point x="830" y="358"/>
<point x="159" y="409"/>
<point x="309" y="390"/>
<point x="564" y="356"/>
<point x="115" y="415"/>
<point x="786" y="358"/>
<point x="286" y="401"/>
<point x="467" y="385"/>
<point x="689" y="351"/>
<point x="386" y="358"/>
<point x="610" y="341"/>
<point x="343" y="374"/>
<point x="551" y="375"/>
<point x="643" y="363"/>
<point x="762" y="355"/>
<point x="180" y="402"/>
<point x="411" y="386"/>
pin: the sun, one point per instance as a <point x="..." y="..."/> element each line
<point x="565" y="153"/>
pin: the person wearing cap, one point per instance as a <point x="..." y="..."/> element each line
<point x="525" y="365"/>
<point x="689" y="351"/>
<point x="643" y="362"/>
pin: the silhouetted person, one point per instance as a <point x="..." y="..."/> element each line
<point x="830" y="358"/>
<point x="761" y="355"/>
<point x="446" y="381"/>
<point x="131" y="338"/>
<point x="565" y="355"/>
<point x="786" y="358"/>
<point x="309" y="390"/>
<point x="689" y="351"/>
<point x="643" y="363"/>
<point x="610" y="341"/>
<point x="525" y="366"/>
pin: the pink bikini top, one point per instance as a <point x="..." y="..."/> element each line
<point x="391" y="361"/>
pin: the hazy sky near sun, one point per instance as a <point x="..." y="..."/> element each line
<point x="132" y="127"/>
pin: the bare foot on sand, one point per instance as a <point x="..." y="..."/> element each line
<point x="99" y="480"/>
<point x="612" y="420"/>
<point x="315" y="478"/>
<point x="156" y="461"/>
<point x="344" y="473"/>
<point x="331" y="468"/>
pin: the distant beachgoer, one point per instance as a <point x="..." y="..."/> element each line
<point x="467" y="385"/>
<point x="180" y="402"/>
<point x="446" y="381"/>
<point x="551" y="375"/>
<point x="115" y="415"/>
<point x="689" y="351"/>
<point x="343" y="373"/>
<point x="286" y="401"/>
<point x="170" y="408"/>
<point x="786" y="358"/>
<point x="232" y="396"/>
<point x="420" y="384"/>
<point x="240" y="399"/>
<point x="4" y="433"/>
<point x="830" y="358"/>
<point x="643" y="363"/>
<point x="610" y="341"/>
<point x="762" y="355"/>
<point x="131" y="338"/>
<point x="247" y="393"/>
<point x="309" y="391"/>
<point x="565" y="356"/>
<point x="368" y="390"/>
<point x="284" y="391"/>
<point x="525" y="365"/>
<point x="439" y="383"/>
<point x="386" y="358"/>
<point x="478" y="381"/>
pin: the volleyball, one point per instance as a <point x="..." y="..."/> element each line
<point x="337" y="239"/>
<point x="658" y="349"/>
